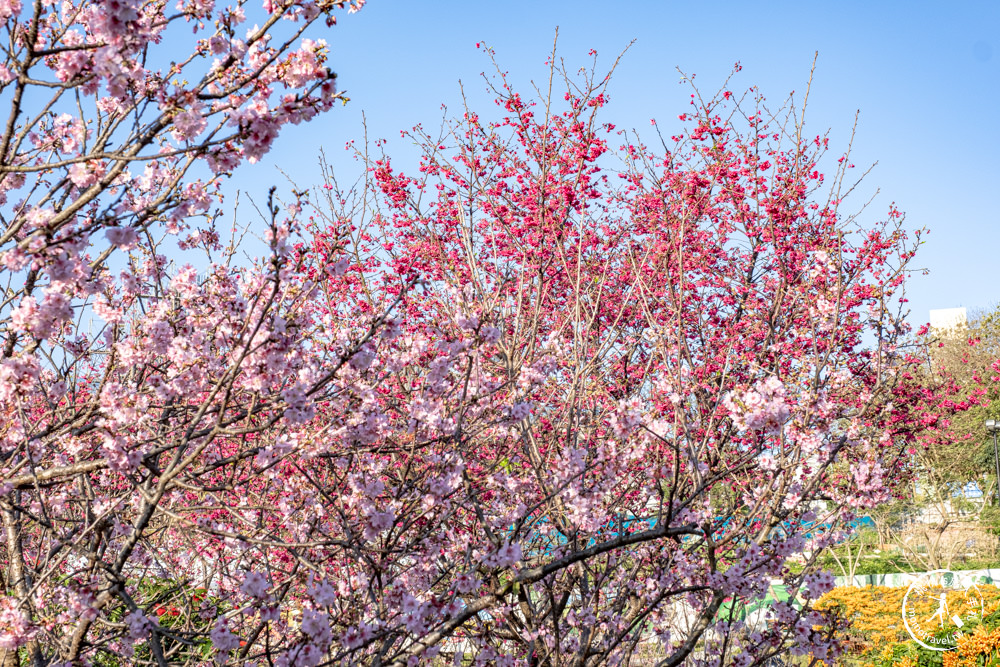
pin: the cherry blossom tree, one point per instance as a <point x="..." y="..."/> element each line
<point x="119" y="372"/>
<point x="632" y="388"/>
<point x="556" y="399"/>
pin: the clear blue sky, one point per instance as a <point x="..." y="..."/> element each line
<point x="924" y="75"/>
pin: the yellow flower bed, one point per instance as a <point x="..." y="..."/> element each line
<point x="973" y="648"/>
<point x="876" y="624"/>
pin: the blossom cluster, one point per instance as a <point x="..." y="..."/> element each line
<point x="763" y="407"/>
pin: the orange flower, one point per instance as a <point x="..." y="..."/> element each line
<point x="875" y="624"/>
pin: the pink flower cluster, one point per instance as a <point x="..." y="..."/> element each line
<point x="763" y="407"/>
<point x="16" y="629"/>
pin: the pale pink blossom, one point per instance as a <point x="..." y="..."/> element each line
<point x="763" y="407"/>
<point x="222" y="638"/>
<point x="189" y="123"/>
<point x="255" y="585"/>
<point x="86" y="174"/>
<point x="9" y="8"/>
<point x="123" y="237"/>
<point x="16" y="629"/>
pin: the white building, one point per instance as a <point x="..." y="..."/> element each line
<point x="945" y="319"/>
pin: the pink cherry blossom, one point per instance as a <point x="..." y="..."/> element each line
<point x="123" y="237"/>
<point x="15" y="626"/>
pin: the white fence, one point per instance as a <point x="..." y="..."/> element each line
<point x="906" y="578"/>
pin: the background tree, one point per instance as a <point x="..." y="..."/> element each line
<point x="968" y="355"/>
<point x="942" y="524"/>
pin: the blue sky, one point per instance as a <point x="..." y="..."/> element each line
<point x="924" y="75"/>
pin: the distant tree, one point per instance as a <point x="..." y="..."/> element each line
<point x="961" y="370"/>
<point x="958" y="448"/>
